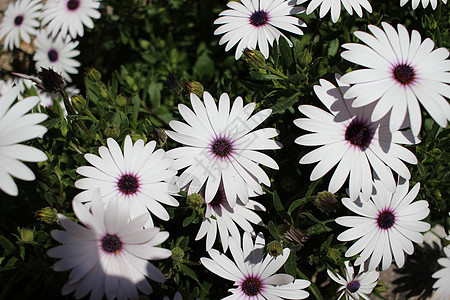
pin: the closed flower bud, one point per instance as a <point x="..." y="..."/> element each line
<point x="334" y="254"/>
<point x="194" y="201"/>
<point x="103" y="91"/>
<point x="112" y="131"/>
<point x="47" y="215"/>
<point x="78" y="102"/>
<point x="305" y="58"/>
<point x="194" y="87"/>
<point x="51" y="81"/>
<point x="26" y="235"/>
<point x="158" y="135"/>
<point x="177" y="254"/>
<point x="274" y="248"/>
<point x="254" y="58"/>
<point x="326" y="202"/>
<point x="121" y="100"/>
<point x="93" y="74"/>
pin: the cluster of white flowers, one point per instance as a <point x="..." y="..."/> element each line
<point x="443" y="275"/>
<point x="52" y="27"/>
<point x="372" y="112"/>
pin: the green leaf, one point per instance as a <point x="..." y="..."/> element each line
<point x="318" y="229"/>
<point x="333" y="47"/>
<point x="290" y="266"/>
<point x="310" y="216"/>
<point x="204" y="67"/>
<point x="154" y="91"/>
<point x="136" y="101"/>
<point x="188" y="220"/>
<point x="274" y="231"/>
<point x="8" y="247"/>
<point x="286" y="53"/>
<point x="264" y="76"/>
<point x="282" y="105"/>
<point x="189" y="272"/>
<point x="296" y="204"/>
<point x="325" y="245"/>
<point x="280" y="208"/>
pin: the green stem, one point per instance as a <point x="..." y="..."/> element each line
<point x="73" y="112"/>
<point x="88" y="113"/>
<point x="275" y="71"/>
<point x="151" y="113"/>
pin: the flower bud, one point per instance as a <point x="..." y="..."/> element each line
<point x="112" y="131"/>
<point x="158" y="135"/>
<point x="78" y="102"/>
<point x="305" y="58"/>
<point x="334" y="254"/>
<point x="121" y="100"/>
<point x="177" y="254"/>
<point x="194" y="201"/>
<point x="254" y="58"/>
<point x="274" y="248"/>
<point x="326" y="202"/>
<point x="295" y="236"/>
<point x="194" y="87"/>
<point x="93" y="74"/>
<point x="26" y="235"/>
<point x="51" y="81"/>
<point x="47" y="215"/>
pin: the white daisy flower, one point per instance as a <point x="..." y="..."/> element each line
<point x="219" y="215"/>
<point x="70" y="16"/>
<point x="355" y="287"/>
<point x="415" y="3"/>
<point x="350" y="140"/>
<point x="401" y="70"/>
<point x="257" y="22"/>
<point x="139" y="176"/>
<point x="387" y="225"/>
<point x="253" y="274"/>
<point x="219" y="146"/>
<point x="19" y="22"/>
<point x="16" y="126"/>
<point x="109" y="254"/>
<point x="57" y="54"/>
<point x="335" y="7"/>
<point x="443" y="277"/>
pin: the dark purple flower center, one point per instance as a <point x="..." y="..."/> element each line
<point x="221" y="147"/>
<point x="259" y="18"/>
<point x="52" y="55"/>
<point x="353" y="286"/>
<point x="73" y="4"/>
<point x="18" y="20"/>
<point x="359" y="134"/>
<point x="404" y="74"/>
<point x="111" y="244"/>
<point x="128" y="184"/>
<point x="386" y="219"/>
<point x="251" y="286"/>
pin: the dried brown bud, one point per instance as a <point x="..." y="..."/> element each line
<point x="51" y="81"/>
<point x="296" y="236"/>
